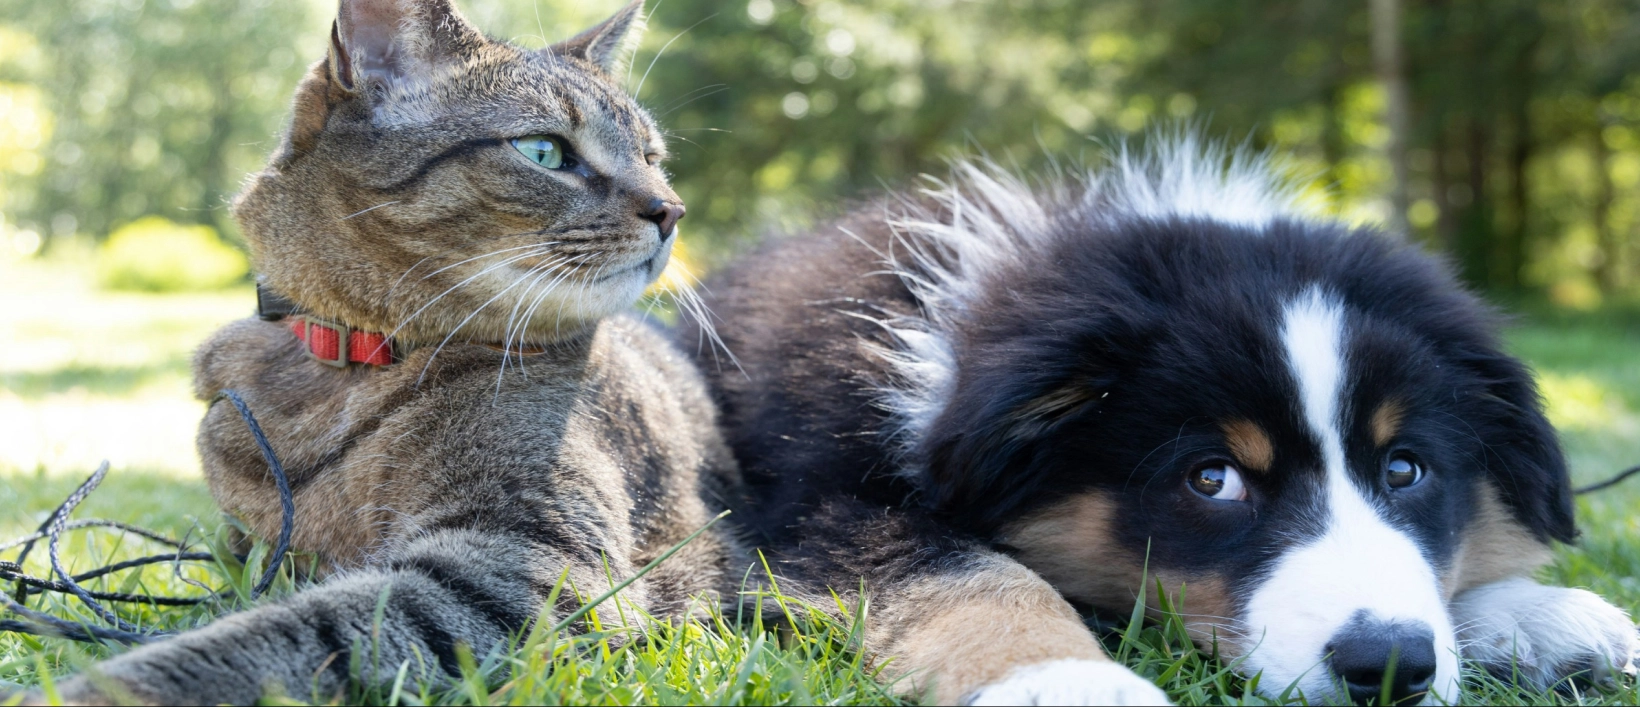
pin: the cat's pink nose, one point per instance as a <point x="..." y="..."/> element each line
<point x="665" y="214"/>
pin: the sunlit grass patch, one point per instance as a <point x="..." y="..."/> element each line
<point x="1578" y="402"/>
<point x="88" y="375"/>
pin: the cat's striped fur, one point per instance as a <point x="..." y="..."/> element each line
<point x="528" y="431"/>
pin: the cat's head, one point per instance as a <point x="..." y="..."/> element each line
<point x="434" y="180"/>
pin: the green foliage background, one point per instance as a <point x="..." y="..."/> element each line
<point x="1524" y="124"/>
<point x="1524" y="149"/>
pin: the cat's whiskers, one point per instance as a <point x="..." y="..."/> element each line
<point x="662" y="52"/>
<point x="529" y="312"/>
<point x="373" y="208"/>
<point x="456" y="286"/>
<point x="630" y="64"/>
<point x="529" y="315"/>
<point x="580" y="294"/>
<point x="692" y="100"/>
<point x="690" y="304"/>
<point x="697" y="145"/>
<point x="535" y="275"/>
<point x="686" y="99"/>
<point x="467" y="319"/>
<point x="564" y="267"/>
<point x="512" y="317"/>
<point x="654" y="303"/>
<point x="418" y="264"/>
<point x="406" y="273"/>
<point x="486" y="255"/>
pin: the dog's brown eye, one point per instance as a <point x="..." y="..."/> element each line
<point x="1402" y="472"/>
<point x="1220" y="482"/>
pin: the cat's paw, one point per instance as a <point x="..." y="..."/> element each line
<point x="1544" y="634"/>
<point x="1070" y="682"/>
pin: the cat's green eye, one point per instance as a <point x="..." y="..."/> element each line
<point x="543" y="150"/>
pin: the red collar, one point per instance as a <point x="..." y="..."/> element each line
<point x="327" y="342"/>
<point x="338" y="344"/>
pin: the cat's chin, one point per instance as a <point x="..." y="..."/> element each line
<point x="567" y="310"/>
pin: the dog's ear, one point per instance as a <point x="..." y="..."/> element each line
<point x="1522" y="453"/>
<point x="979" y="451"/>
<point x="987" y="450"/>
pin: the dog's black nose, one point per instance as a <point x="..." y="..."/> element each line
<point x="665" y="214"/>
<point x="1370" y="654"/>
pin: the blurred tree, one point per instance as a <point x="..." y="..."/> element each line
<point x="784" y="108"/>
<point x="1519" y="155"/>
<point x="1391" y="70"/>
<point x="1297" y="86"/>
<point x="159" y="106"/>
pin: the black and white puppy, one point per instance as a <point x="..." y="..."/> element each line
<point x="997" y="403"/>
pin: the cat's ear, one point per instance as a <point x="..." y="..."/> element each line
<point x="610" y="44"/>
<point x="394" y="40"/>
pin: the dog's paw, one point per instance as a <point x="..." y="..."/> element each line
<point x="1070" y="682"/>
<point x="1544" y="634"/>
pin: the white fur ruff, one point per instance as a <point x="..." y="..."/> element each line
<point x="997" y="220"/>
<point x="1070" y="682"/>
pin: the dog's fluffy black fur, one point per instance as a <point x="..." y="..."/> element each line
<point x="930" y="378"/>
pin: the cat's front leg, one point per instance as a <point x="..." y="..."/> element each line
<point x="1544" y="634"/>
<point x="446" y="589"/>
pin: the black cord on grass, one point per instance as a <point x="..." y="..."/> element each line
<point x="74" y="500"/>
<point x="42" y="624"/>
<point x="87" y="524"/>
<point x="1608" y="483"/>
<point x="11" y="572"/>
<point x="287" y="501"/>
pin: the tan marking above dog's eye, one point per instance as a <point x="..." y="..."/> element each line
<point x="1249" y="444"/>
<point x="1220" y="482"/>
<point x="1386" y="422"/>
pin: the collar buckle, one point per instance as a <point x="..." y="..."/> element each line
<point x="341" y="332"/>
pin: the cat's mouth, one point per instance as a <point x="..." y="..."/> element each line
<point x="643" y="268"/>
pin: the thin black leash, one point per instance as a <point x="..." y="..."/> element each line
<point x="41" y="624"/>
<point x="1608" y="483"/>
<point x="287" y="501"/>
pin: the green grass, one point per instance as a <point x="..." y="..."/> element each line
<point x="88" y="375"/>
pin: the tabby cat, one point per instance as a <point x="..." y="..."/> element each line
<point x="465" y="219"/>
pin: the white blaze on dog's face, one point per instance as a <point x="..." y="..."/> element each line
<point x="1335" y="610"/>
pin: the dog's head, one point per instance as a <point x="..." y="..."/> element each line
<point x="1307" y="435"/>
